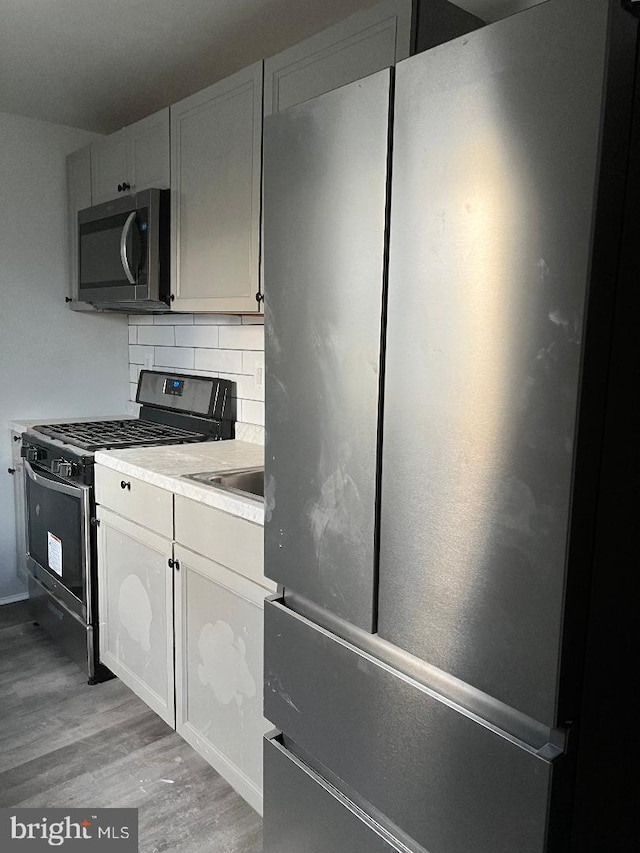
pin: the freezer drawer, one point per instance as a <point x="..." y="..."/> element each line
<point x="454" y="778"/>
<point x="303" y="812"/>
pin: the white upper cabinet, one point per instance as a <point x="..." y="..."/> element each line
<point x="108" y="166"/>
<point x="78" y="197"/>
<point x="132" y="159"/>
<point x="148" y="152"/>
<point x="356" y="47"/>
<point x="216" y="162"/>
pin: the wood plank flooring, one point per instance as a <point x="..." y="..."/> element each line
<point x="65" y="744"/>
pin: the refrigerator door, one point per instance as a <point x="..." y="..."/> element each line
<point x="495" y="164"/>
<point x="325" y="189"/>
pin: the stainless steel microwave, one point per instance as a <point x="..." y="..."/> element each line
<point x="123" y="253"/>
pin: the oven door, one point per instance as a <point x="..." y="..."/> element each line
<point x="58" y="517"/>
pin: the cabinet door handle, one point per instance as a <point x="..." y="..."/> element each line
<point x="125" y="485"/>
<point x="174" y="564"/>
<point x="11" y="470"/>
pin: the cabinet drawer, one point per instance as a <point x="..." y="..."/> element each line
<point x="140" y="502"/>
<point x="435" y="772"/>
<point x="233" y="542"/>
<point x="302" y="811"/>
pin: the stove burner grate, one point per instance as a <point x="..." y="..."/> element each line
<point x="101" y="435"/>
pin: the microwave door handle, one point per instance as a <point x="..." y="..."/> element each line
<point x="126" y="228"/>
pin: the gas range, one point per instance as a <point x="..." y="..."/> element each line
<point x="60" y="500"/>
<point x="175" y="409"/>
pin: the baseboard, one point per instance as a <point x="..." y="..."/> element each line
<point x="11" y="599"/>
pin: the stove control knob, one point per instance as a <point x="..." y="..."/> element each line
<point x="63" y="468"/>
<point x="32" y="454"/>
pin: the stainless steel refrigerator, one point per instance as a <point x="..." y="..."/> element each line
<point x="450" y="264"/>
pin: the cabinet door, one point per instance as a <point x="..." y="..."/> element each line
<point x="108" y="166"/>
<point x="19" y="507"/>
<point x="218" y="623"/>
<point x="135" y="606"/>
<point x="148" y="152"/>
<point x="356" y="47"/>
<point x="216" y="161"/>
<point x="78" y="197"/>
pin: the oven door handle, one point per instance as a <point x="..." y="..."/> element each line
<point x="126" y="228"/>
<point x="51" y="483"/>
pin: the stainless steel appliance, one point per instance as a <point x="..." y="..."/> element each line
<point x="60" y="502"/>
<point x="448" y="661"/>
<point x="123" y="253"/>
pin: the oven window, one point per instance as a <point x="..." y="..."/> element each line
<point x="55" y="528"/>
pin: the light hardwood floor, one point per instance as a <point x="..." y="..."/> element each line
<point x="65" y="744"/>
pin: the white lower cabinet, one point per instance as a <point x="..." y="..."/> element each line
<point x="181" y="618"/>
<point x="219" y="647"/>
<point x="17" y="466"/>
<point x="135" y="601"/>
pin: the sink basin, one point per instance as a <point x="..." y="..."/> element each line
<point x="247" y="482"/>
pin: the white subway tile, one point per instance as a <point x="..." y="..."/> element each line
<point x="140" y="319"/>
<point x="156" y="335"/>
<point x="173" y="319"/>
<point x="252" y="412"/>
<point x="197" y="336"/>
<point x="133" y="389"/>
<point x="133" y="334"/>
<point x="226" y="361"/>
<point x="174" y="357"/>
<point x="242" y="337"/>
<point x="216" y="320"/>
<point x="210" y="373"/>
<point x="245" y="385"/>
<point x="250" y="360"/>
<point x="137" y="354"/>
<point x="134" y="372"/>
<point x="238" y="410"/>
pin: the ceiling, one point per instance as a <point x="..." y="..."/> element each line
<point x="102" y="64"/>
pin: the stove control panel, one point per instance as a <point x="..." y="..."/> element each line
<point x="184" y="393"/>
<point x="173" y="387"/>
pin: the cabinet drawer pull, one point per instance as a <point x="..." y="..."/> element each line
<point x="174" y="564"/>
<point x="125" y="485"/>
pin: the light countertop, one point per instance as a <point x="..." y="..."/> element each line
<point x="163" y="466"/>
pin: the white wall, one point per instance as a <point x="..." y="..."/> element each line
<point x="230" y="347"/>
<point x="53" y="362"/>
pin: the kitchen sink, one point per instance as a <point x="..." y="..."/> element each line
<point x="247" y="482"/>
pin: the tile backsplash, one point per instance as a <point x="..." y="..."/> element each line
<point x="227" y="346"/>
